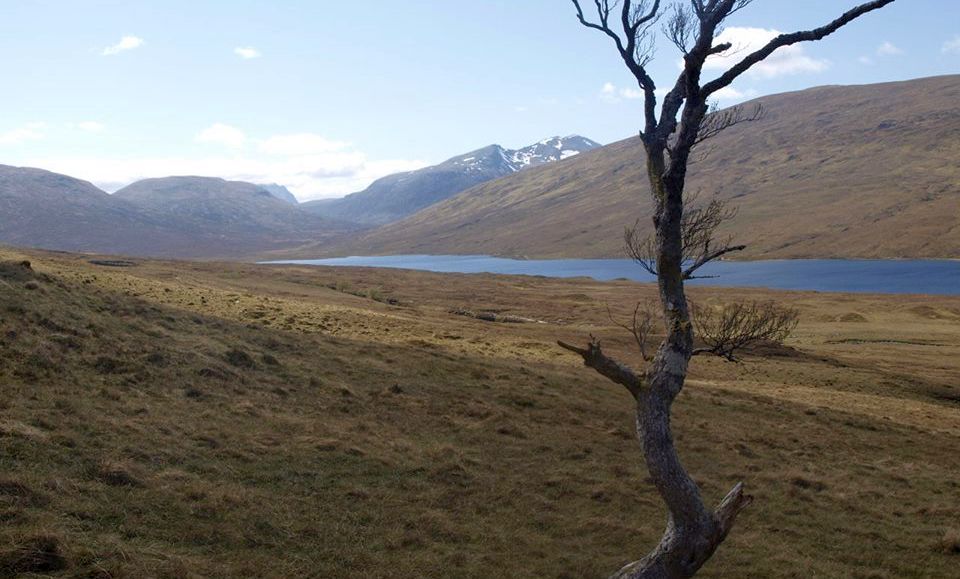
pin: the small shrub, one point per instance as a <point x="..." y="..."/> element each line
<point x="117" y="475"/>
<point x="270" y="360"/>
<point x="240" y="359"/>
<point x="808" y="483"/>
<point x="375" y="294"/>
<point x="108" y="365"/>
<point x="192" y="392"/>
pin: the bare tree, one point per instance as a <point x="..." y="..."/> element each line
<point x="669" y="136"/>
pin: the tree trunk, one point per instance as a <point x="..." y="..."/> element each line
<point x="693" y="532"/>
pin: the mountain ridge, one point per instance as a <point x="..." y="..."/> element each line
<point x="402" y="194"/>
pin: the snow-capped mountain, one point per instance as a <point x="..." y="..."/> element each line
<point x="397" y="196"/>
<point x="550" y="150"/>
<point x="546" y="151"/>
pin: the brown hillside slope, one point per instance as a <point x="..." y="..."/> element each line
<point x="837" y="171"/>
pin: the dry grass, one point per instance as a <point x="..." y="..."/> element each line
<point x="222" y="420"/>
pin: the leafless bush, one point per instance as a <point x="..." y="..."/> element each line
<point x="735" y="326"/>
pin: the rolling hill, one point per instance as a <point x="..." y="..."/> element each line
<point x="242" y="212"/>
<point x="52" y="211"/>
<point x="837" y="171"/>
<point x="397" y="196"/>
<point x="169" y="217"/>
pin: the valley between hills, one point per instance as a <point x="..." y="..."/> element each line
<point x="213" y="419"/>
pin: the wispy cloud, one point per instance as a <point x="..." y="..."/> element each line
<point x="729" y="95"/>
<point x="27" y="132"/>
<point x="952" y="46"/>
<point x="888" y="49"/>
<point x="222" y="134"/>
<point x="90" y="126"/>
<point x="785" y="61"/>
<point x="126" y="43"/>
<point x="247" y="52"/>
<point x="611" y="93"/>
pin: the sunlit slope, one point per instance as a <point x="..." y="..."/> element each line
<point x="836" y="171"/>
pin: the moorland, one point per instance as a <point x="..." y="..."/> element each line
<point x="188" y="419"/>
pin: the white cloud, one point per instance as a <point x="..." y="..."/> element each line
<point x="312" y="166"/>
<point x="612" y="94"/>
<point x="247" y="52"/>
<point x="745" y="40"/>
<point x="126" y="43"/>
<point x="300" y="144"/>
<point x="309" y="177"/>
<point x="888" y="49"/>
<point x="225" y="135"/>
<point x="90" y="126"/>
<point x="952" y="46"/>
<point x="865" y="60"/>
<point x="730" y="95"/>
<point x="27" y="132"/>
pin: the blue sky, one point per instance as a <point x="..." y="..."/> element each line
<point x="326" y="96"/>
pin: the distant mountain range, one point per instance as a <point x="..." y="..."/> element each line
<point x="210" y="217"/>
<point x="837" y="171"/>
<point x="397" y="196"/>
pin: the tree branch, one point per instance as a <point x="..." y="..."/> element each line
<point x="640" y="327"/>
<point x="705" y="259"/>
<point x="718" y="121"/>
<point x="635" y="21"/>
<point x="593" y="357"/>
<point x="728" y="509"/>
<point x="786" y="40"/>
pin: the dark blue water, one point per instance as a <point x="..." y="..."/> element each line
<point x="915" y="276"/>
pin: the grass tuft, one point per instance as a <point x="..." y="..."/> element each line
<point x="240" y="359"/>
<point x="36" y="554"/>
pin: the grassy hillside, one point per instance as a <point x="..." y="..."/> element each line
<point x="856" y="171"/>
<point x="224" y="420"/>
